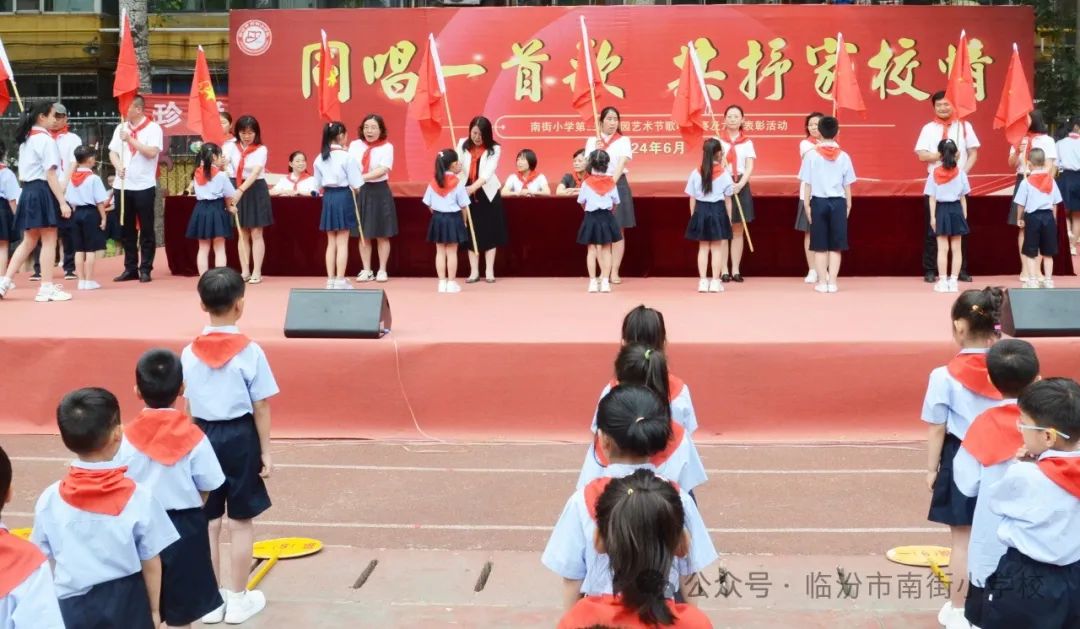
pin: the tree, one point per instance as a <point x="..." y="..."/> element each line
<point x="140" y="31"/>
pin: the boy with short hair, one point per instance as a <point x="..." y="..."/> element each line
<point x="1036" y="197"/>
<point x="27" y="596"/>
<point x="1037" y="582"/>
<point x="168" y="454"/>
<point x="86" y="195"/>
<point x="228" y="384"/>
<point x="102" y="530"/>
<point x="987" y="451"/>
<point x="826" y="176"/>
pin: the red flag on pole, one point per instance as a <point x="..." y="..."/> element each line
<point x="5" y="75"/>
<point x="202" y="103"/>
<point x="126" y="83"/>
<point x="329" y="105"/>
<point x="688" y="110"/>
<point x="960" y="91"/>
<point x="427" y="106"/>
<point x="588" y="85"/>
<point x="846" y="92"/>
<point x="1015" y="105"/>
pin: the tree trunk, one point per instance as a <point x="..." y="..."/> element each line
<point x="140" y="30"/>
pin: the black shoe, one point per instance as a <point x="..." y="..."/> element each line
<point x="144" y="277"/>
<point x="126" y="276"/>
<point x="930" y="277"/>
<point x="738" y="278"/>
<point x="36" y="277"/>
<point x="965" y="277"/>
<point x="70" y="276"/>
<point x="726" y="277"/>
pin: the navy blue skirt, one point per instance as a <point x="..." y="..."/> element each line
<point x="189" y="588"/>
<point x="447" y="227"/>
<point x="802" y="223"/>
<point x="1069" y="183"/>
<point x="948" y="505"/>
<point x="709" y="222"/>
<point x="210" y="220"/>
<point x="37" y="207"/>
<point x="599" y="227"/>
<point x="7" y="222"/>
<point x="338" y="210"/>
<point x="118" y="603"/>
<point x="950" y="219"/>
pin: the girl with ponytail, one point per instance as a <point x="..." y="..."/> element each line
<point x="338" y="176"/>
<point x="710" y="188"/>
<point x="211" y="222"/>
<point x="446" y="197"/>
<point x="947" y="188"/>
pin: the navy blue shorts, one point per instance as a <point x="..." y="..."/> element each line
<point x="973" y="604"/>
<point x="1029" y="594"/>
<point x="189" y="589"/>
<point x="1040" y="234"/>
<point x="236" y="444"/>
<point x="118" y="603"/>
<point x="828" y="224"/>
<point x="86" y="233"/>
<point x="947" y="504"/>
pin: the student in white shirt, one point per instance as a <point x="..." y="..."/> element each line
<point x="947" y="188"/>
<point x="378" y="214"/>
<point x="710" y="189"/>
<point x="526" y="182"/>
<point x="299" y="182"/>
<point x="1037" y="137"/>
<point x="134" y="150"/>
<point x="739" y="157"/>
<point x="1068" y="163"/>
<point x="1036" y="198"/>
<point x="827" y="175"/>
<point x="86" y="195"/>
<point x="248" y="156"/>
<point x="620" y="150"/>
<point x="448" y="201"/>
<point x="338" y="176"/>
<point x="41" y="202"/>
<point x="9" y="200"/>
<point x="479" y="154"/>
<point x="212" y="219"/>
<point x="802" y="223"/>
<point x="599" y="230"/>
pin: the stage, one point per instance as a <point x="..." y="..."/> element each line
<point x="523" y="359"/>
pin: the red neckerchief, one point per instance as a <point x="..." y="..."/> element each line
<point x="451" y="182"/>
<point x="296" y="182"/>
<point x="365" y="161"/>
<point x="947" y="122"/>
<point x="164" y="434"/>
<point x="812" y="140"/>
<point x="603" y="144"/>
<point x="674" y="383"/>
<point x="18" y="560"/>
<point x="97" y="491"/>
<point x="578" y="178"/>
<point x="731" y="157"/>
<point x="475" y="153"/>
<point x="600" y="184"/>
<point x="525" y="181"/>
<point x="970" y="371"/>
<point x="244" y="152"/>
<point x="37" y="131"/>
<point x="218" y="348"/>
<point x="134" y="131"/>
<point x="1030" y="144"/>
<point x="59" y="132"/>
<point x="830" y="152"/>
<point x="596" y="488"/>
<point x="1042" y="182"/>
<point x="657" y="459"/>
<point x="1075" y="136"/>
<point x="944" y="175"/>
<point x="200" y="175"/>
<point x="1064" y="471"/>
<point x="79" y="176"/>
<point x="993" y="437"/>
<point x="607" y="610"/>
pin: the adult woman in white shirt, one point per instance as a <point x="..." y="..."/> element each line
<point x="479" y="154"/>
<point x="378" y="214"/>
<point x="620" y="150"/>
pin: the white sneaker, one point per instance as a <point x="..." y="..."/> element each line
<point x="821" y="288"/>
<point x="594" y="285"/>
<point x="811" y="277"/>
<point x="941" y="286"/>
<point x="330" y="283"/>
<point x="605" y="285"/>
<point x="703" y="286"/>
<point x="1072" y="249"/>
<point x="243" y="605"/>
<point x="452" y="286"/>
<point x="381" y="276"/>
<point x="1031" y="284"/>
<point x="365" y="276"/>
<point x="832" y="287"/>
<point x="51" y="292"/>
<point x="81" y="286"/>
<point x="1048" y="282"/>
<point x="945" y="613"/>
<point x="442" y="286"/>
<point x="342" y="284"/>
<point x="6" y="286"/>
<point x="218" y="614"/>
<point x="958" y="621"/>
<point x="954" y="284"/>
<point x="716" y="286"/>
<point x="92" y="285"/>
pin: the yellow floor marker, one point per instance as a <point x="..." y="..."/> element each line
<point x="933" y="557"/>
<point x="282" y="548"/>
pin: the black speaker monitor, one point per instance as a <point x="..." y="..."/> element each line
<point x="1041" y="312"/>
<point x="348" y="314"/>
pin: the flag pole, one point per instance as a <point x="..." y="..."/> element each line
<point x="123" y="180"/>
<point x="450" y="123"/>
<point x="587" y="49"/>
<point x="836" y="66"/>
<point x="18" y="99"/>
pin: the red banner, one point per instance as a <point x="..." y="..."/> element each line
<point x="516" y="66"/>
<point x="171" y="112"/>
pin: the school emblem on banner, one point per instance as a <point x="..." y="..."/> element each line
<point x="254" y="37"/>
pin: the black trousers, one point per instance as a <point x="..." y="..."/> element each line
<point x="929" y="250"/>
<point x="138" y="204"/>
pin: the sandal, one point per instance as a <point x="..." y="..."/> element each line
<point x="726" y="277"/>
<point x="737" y="277"/>
<point x="255" y="279"/>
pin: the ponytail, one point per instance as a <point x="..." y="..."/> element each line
<point x="205" y="158"/>
<point x="981" y="309"/>
<point x="949" y="154"/>
<point x="598" y="161"/>
<point x="330" y="134"/>
<point x="636" y="419"/>
<point x="30" y="118"/>
<point x="644" y="366"/>
<point x="444" y="159"/>
<point x="709" y="150"/>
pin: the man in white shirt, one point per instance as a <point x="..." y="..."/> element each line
<point x="944" y="126"/>
<point x="133" y="151"/>
<point x="66" y="143"/>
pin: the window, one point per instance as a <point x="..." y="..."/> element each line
<point x="71" y="6"/>
<point x="180" y="83"/>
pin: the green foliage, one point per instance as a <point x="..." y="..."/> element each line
<point x="1057" y="73"/>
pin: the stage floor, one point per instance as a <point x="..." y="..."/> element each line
<point x="524" y="359"/>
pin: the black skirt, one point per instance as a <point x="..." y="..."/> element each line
<point x="447" y="228"/>
<point x="7" y="222"/>
<point x="338" y="210"/>
<point x="950" y="219"/>
<point x="378" y="214"/>
<point x="747" y="200"/>
<point x="709" y="222"/>
<point x="624" y="213"/>
<point x="210" y="220"/>
<point x="254" y="206"/>
<point x="599" y="227"/>
<point x="489" y="221"/>
<point x="189" y="588"/>
<point x="801" y="222"/>
<point x="1069" y="182"/>
<point x="948" y="505"/>
<point x="37" y="207"/>
<point x="1012" y="208"/>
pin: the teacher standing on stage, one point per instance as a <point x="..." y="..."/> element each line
<point x="134" y="151"/>
<point x="621" y="151"/>
<point x="944" y="126"/>
<point x="479" y="155"/>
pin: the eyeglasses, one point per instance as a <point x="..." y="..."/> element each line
<point x="1022" y="427"/>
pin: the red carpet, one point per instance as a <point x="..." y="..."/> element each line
<point x="524" y="358"/>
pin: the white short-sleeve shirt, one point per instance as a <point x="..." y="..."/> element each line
<point x="9" y="185"/>
<point x="934" y="132"/>
<point x="219" y="187"/>
<point x="32" y="603"/>
<point x="617" y="149"/>
<point x="1068" y="152"/>
<point x="339" y="171"/>
<point x="452" y="202"/>
<point x="175" y="486"/>
<point x="66" y="143"/>
<point x="535" y="186"/>
<point x="90" y="192"/>
<point x="593" y="200"/>
<point x="722" y="185"/>
<point x="1038" y="517"/>
<point x="228" y="392"/>
<point x="1034" y="199"/>
<point x="948" y="402"/>
<point x="254" y="159"/>
<point x="949" y="191"/>
<point x="1041" y="141"/>
<point x="382" y="155"/>
<point x="38" y="155"/>
<point x="828" y="179"/>
<point x="743" y="152"/>
<point x="303" y="187"/>
<point x="141" y="170"/>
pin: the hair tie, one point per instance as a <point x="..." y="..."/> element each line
<point x="629" y="491"/>
<point x="997" y="327"/>
<point x="638" y="419"/>
<point x="976" y="309"/>
<point x="648" y="353"/>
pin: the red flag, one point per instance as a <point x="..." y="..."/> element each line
<point x="126" y="83"/>
<point x="689" y="107"/>
<point x="202" y="103"/>
<point x="329" y="105"/>
<point x="961" y="89"/>
<point x="846" y="92"/>
<point x="1015" y="105"/>
<point x="587" y="82"/>
<point x="427" y="106"/>
<point x="5" y="75"/>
